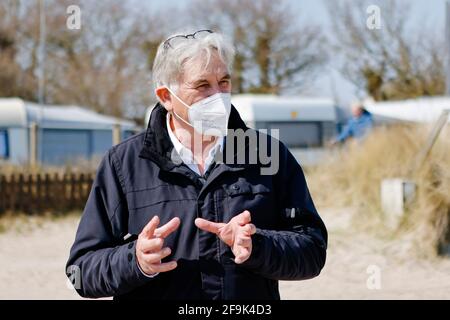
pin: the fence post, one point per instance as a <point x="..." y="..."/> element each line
<point x="57" y="193"/>
<point x="73" y="203"/>
<point x="432" y="137"/>
<point x="20" y="194"/>
<point x="65" y="185"/>
<point x="13" y="193"/>
<point x="81" y="189"/>
<point x="3" y="194"/>
<point x="29" y="192"/>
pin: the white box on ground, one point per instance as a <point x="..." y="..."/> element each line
<point x="395" y="196"/>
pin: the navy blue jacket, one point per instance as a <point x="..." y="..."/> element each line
<point x="138" y="179"/>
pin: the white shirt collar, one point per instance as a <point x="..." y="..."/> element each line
<point x="186" y="154"/>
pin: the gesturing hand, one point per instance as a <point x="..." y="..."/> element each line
<point x="236" y="234"/>
<point x="149" y="251"/>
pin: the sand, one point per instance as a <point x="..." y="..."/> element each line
<point x="33" y="254"/>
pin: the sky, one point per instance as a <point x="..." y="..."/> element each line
<point x="429" y="13"/>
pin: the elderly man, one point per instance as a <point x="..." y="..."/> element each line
<point x="172" y="215"/>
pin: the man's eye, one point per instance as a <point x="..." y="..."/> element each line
<point x="224" y="82"/>
<point x="203" y="86"/>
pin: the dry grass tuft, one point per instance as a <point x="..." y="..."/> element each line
<point x="353" y="175"/>
<point x="76" y="166"/>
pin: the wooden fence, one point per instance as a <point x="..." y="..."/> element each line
<point x="43" y="192"/>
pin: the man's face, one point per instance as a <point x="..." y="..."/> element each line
<point x="198" y="82"/>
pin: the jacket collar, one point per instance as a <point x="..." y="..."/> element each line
<point x="157" y="144"/>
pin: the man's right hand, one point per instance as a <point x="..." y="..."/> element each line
<point x="149" y="246"/>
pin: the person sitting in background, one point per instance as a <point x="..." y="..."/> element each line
<point x="358" y="126"/>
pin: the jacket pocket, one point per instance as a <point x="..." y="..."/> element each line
<point x="139" y="199"/>
<point x="257" y="198"/>
<point x="166" y="202"/>
<point x="246" y="188"/>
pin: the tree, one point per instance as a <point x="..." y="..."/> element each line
<point x="274" y="53"/>
<point x="101" y="66"/>
<point x="14" y="79"/>
<point x="393" y="62"/>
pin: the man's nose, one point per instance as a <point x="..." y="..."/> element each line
<point x="215" y="88"/>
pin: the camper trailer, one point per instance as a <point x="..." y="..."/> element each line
<point x="64" y="133"/>
<point x="420" y="110"/>
<point x="302" y="122"/>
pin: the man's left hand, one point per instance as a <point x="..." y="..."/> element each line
<point x="236" y="234"/>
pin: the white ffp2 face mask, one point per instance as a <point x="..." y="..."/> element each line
<point x="209" y="116"/>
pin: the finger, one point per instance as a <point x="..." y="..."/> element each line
<point x="151" y="245"/>
<point x="249" y="229"/>
<point x="244" y="254"/>
<point x="244" y="242"/>
<point x="156" y="257"/>
<point x="243" y="218"/>
<point x="209" y="226"/>
<point x="149" y="229"/>
<point x="164" y="267"/>
<point x="168" y="228"/>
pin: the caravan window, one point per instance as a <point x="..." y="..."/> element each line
<point x="63" y="146"/>
<point x="4" y="148"/>
<point x="296" y="134"/>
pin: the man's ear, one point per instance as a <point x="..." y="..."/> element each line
<point x="164" y="97"/>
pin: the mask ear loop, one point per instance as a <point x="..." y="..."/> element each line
<point x="173" y="110"/>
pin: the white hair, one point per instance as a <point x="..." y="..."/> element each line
<point x="169" y="61"/>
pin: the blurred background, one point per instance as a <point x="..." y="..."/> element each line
<point x="359" y="91"/>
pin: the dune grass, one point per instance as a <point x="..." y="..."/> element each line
<point x="353" y="175"/>
<point x="74" y="166"/>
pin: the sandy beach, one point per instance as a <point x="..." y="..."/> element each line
<point x="33" y="255"/>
